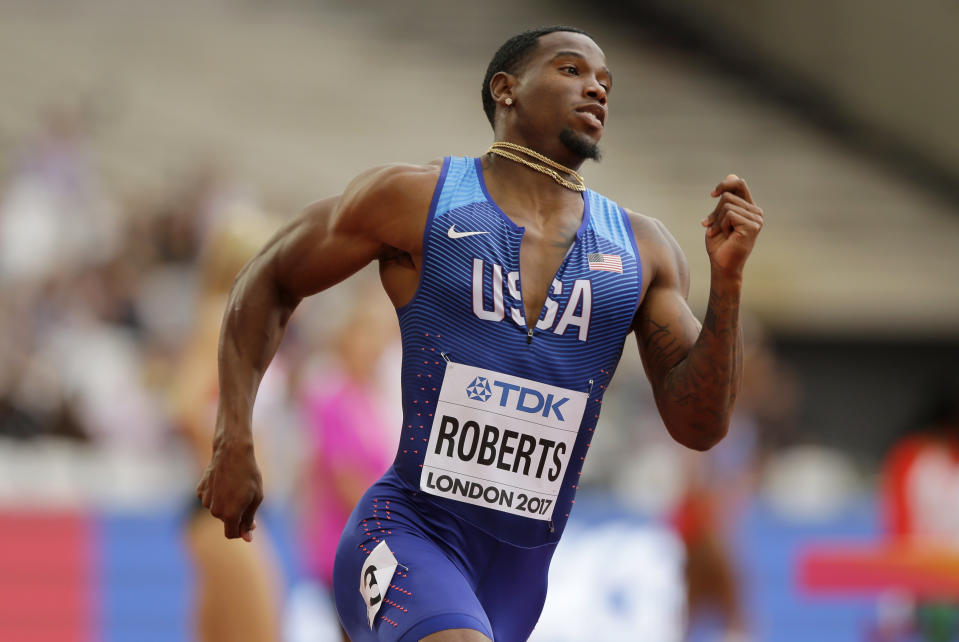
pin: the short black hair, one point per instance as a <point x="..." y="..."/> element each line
<point x="511" y="57"/>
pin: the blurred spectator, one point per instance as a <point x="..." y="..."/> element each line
<point x="920" y="489"/>
<point x="720" y="483"/>
<point x="352" y="412"/>
<point x="66" y="290"/>
<point x="920" y="507"/>
<point x="238" y="584"/>
<point x="53" y="212"/>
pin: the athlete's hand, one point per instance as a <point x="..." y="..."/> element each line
<point x="732" y="228"/>
<point x="232" y="488"/>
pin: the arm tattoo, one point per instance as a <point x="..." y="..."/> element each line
<point x="697" y="381"/>
<point x="664" y="350"/>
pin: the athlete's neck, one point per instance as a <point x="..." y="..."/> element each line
<point x="556" y="151"/>
<point x="528" y="197"/>
<point x="535" y="188"/>
<point x="522" y="183"/>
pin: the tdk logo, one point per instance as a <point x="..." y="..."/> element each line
<point x="479" y="389"/>
<point x="521" y="398"/>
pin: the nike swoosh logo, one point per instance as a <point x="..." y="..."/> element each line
<point x="453" y="234"/>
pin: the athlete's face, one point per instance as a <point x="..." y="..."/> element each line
<point x="562" y="91"/>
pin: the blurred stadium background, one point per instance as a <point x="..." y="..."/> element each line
<point x="133" y="133"/>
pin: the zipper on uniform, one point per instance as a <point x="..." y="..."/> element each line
<point x="529" y="336"/>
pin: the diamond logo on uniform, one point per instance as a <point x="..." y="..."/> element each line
<point x="479" y="389"/>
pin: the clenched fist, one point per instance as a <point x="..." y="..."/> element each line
<point x="232" y="488"/>
<point x="732" y="227"/>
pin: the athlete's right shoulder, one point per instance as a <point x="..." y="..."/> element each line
<point x="395" y="183"/>
<point x="389" y="204"/>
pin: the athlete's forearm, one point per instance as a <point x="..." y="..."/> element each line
<point x="701" y="389"/>
<point x="253" y="326"/>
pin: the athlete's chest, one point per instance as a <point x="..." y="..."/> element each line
<point x="541" y="259"/>
<point x="491" y="270"/>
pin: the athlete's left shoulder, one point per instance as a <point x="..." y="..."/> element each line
<point x="646" y="228"/>
<point x="661" y="255"/>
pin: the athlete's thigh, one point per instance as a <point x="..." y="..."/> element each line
<point x="513" y="589"/>
<point x="427" y="593"/>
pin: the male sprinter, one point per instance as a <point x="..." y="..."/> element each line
<point x="515" y="288"/>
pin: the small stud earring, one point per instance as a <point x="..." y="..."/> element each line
<point x="508" y="101"/>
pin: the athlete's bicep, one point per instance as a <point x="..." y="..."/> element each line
<point x="380" y="212"/>
<point x="665" y="327"/>
<point x="319" y="248"/>
<point x="666" y="330"/>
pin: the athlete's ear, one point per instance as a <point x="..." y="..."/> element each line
<point x="501" y="86"/>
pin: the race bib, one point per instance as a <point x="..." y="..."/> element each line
<point x="501" y="441"/>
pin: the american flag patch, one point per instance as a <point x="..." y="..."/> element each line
<point x="607" y="262"/>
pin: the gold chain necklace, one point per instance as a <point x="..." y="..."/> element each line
<point x="500" y="149"/>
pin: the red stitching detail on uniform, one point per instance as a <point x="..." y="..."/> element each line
<point x="389" y="620"/>
<point x="403" y="591"/>
<point x="392" y="603"/>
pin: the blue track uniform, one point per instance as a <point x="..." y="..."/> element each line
<point x="499" y="413"/>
